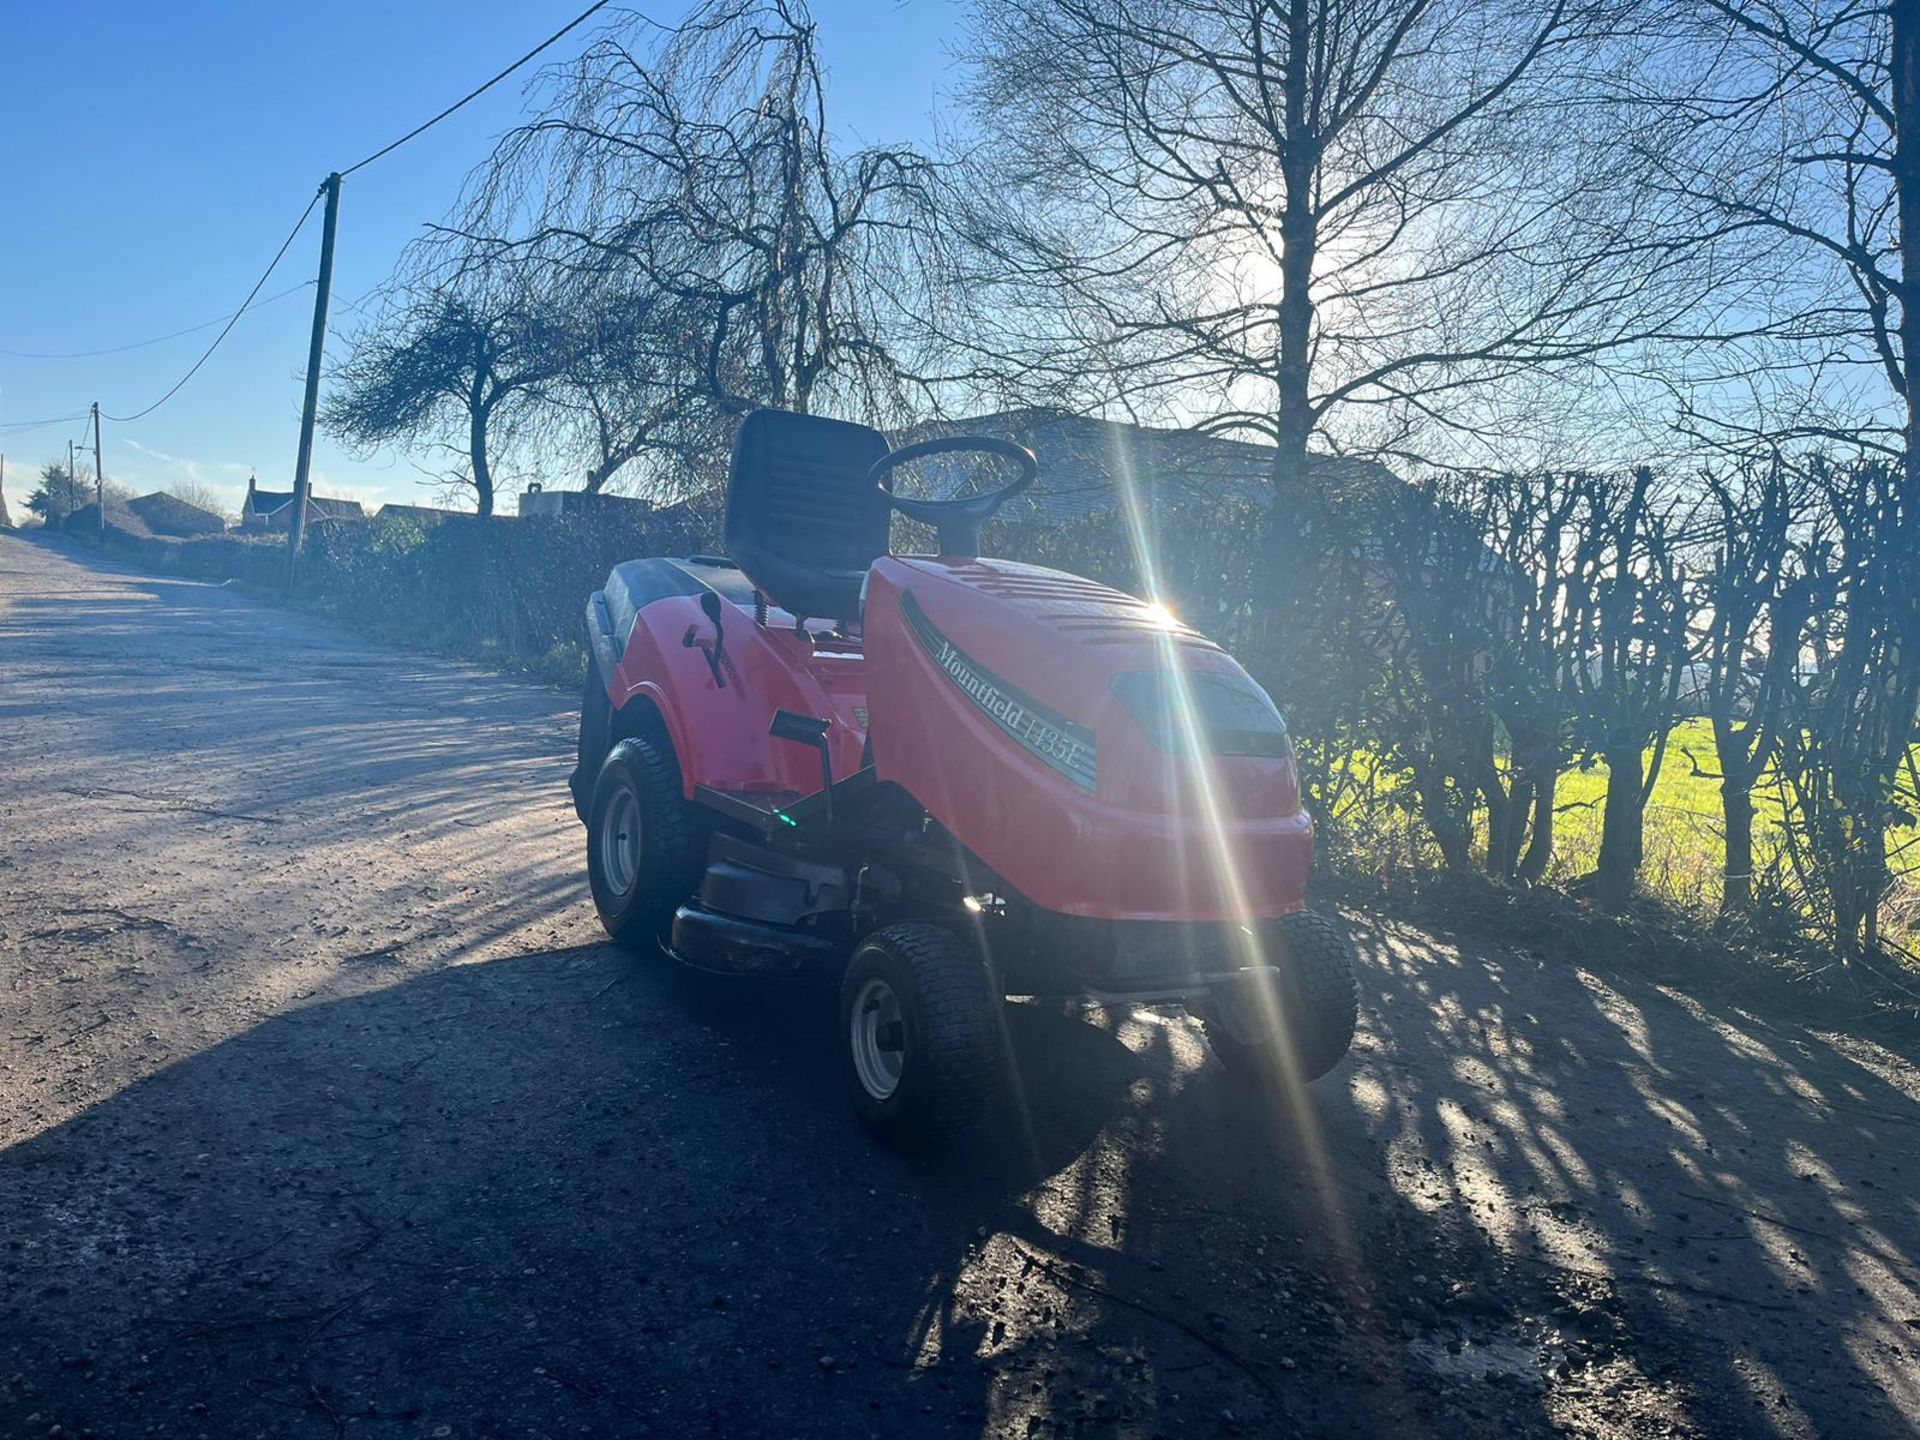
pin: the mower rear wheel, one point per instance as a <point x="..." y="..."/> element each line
<point x="920" y="1024"/>
<point x="644" y="845"/>
<point x="1294" y="1020"/>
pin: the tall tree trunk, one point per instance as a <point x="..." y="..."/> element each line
<point x="1906" y="163"/>
<point x="477" y="453"/>
<point x="1508" y="806"/>
<point x="1620" y="828"/>
<point x="1516" y="806"/>
<point x="1736" y="810"/>
<point x="1293" y="321"/>
<point x="1539" y="854"/>
<point x="1453" y="837"/>
<point x="1906" y="170"/>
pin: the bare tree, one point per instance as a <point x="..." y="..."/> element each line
<point x="695" y="168"/>
<point x="1800" y="122"/>
<point x="1786" y="120"/>
<point x="1753" y="598"/>
<point x="1533" y="533"/>
<point x="1363" y="220"/>
<point x="1846" y="763"/>
<point x="617" y="395"/>
<point x="447" y="367"/>
<point x="1428" y="552"/>
<point x="1628" y="625"/>
<point x="1484" y="694"/>
<point x="625" y="408"/>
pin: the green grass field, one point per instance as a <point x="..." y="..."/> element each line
<point x="1684" y="832"/>
<point x="1684" y="855"/>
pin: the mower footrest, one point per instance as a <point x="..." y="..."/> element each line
<point x="731" y="945"/>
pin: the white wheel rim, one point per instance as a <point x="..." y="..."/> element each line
<point x="620" y="842"/>
<point x="879" y="1039"/>
<point x="1250" y="1009"/>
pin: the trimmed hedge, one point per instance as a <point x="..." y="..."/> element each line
<point x="256" y="560"/>
<point x="505" y="590"/>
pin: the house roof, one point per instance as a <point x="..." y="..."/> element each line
<point x="267" y="503"/>
<point x="166" y="514"/>
<point x="1088" y="466"/>
<point x="393" y="511"/>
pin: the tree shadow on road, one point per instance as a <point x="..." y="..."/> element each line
<point x="573" y="1190"/>
<point x="1713" y="1207"/>
<point x="573" y="1193"/>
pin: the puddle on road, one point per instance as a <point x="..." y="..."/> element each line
<point x="1492" y="1358"/>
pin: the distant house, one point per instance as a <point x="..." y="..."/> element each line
<point x="166" y="514"/>
<point x="273" y="509"/>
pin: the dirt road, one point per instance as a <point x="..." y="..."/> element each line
<point x="324" y="1110"/>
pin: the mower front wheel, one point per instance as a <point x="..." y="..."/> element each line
<point x="920" y="1026"/>
<point x="644" y="844"/>
<point x="1292" y="1020"/>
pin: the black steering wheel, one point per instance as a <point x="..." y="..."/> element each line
<point x="957" y="522"/>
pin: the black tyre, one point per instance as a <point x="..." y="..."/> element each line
<point x="920" y="1028"/>
<point x="1293" y="1021"/>
<point x="645" y="847"/>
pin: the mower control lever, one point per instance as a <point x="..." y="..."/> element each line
<point x="809" y="730"/>
<point x="710" y="604"/>
<point x="958" y="522"/>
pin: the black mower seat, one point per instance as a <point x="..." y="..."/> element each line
<point x="803" y="520"/>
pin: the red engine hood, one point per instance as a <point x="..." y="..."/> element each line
<point x="992" y="700"/>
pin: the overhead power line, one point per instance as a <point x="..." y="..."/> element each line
<point x="471" y="95"/>
<point x="333" y="182"/>
<point x="232" y="320"/>
<point x="21" y="427"/>
<point x="156" y="340"/>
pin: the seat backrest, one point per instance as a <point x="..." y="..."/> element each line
<point x="803" y="520"/>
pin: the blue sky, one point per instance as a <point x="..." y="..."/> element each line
<point x="153" y="156"/>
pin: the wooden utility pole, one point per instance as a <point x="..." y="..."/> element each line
<point x="296" y="528"/>
<point x="99" y="473"/>
<point x="1905" y="47"/>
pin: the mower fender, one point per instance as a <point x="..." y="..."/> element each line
<point x="601" y="641"/>
<point x="716" y="701"/>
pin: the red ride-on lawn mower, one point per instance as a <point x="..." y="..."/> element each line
<point x="943" y="780"/>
